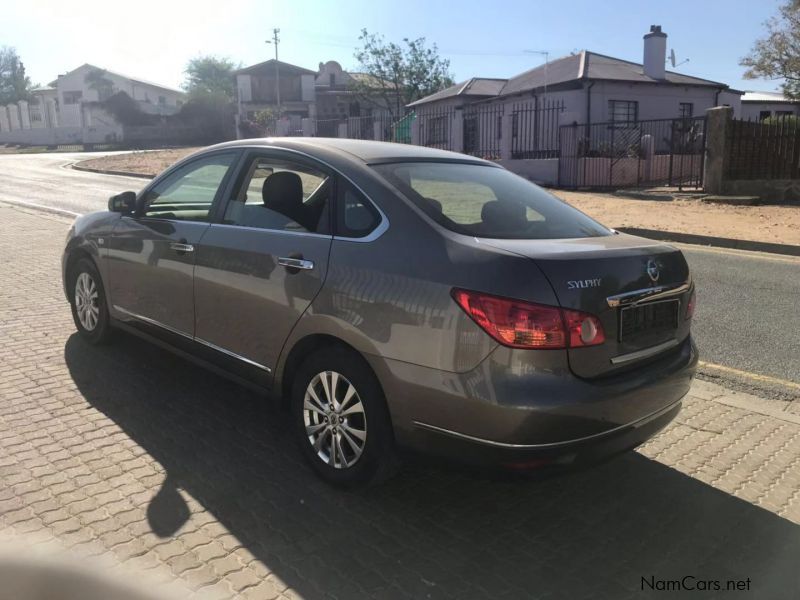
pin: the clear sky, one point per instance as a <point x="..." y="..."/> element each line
<point x="154" y="39"/>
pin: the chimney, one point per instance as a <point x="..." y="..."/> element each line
<point x="655" y="52"/>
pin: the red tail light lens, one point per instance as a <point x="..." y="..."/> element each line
<point x="690" y="305"/>
<point x="521" y="324"/>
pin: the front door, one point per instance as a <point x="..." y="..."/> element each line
<point x="262" y="265"/>
<point x="152" y="253"/>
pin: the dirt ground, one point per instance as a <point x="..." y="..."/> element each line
<point x="777" y="224"/>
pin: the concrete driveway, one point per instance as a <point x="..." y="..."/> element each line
<point x="140" y="463"/>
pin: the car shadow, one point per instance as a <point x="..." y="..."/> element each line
<point x="429" y="532"/>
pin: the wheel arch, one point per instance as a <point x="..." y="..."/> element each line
<point x="74" y="255"/>
<point x="304" y="347"/>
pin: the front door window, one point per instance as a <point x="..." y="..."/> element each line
<point x="188" y="193"/>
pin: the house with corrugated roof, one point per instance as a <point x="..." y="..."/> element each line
<point x="330" y="95"/>
<point x="594" y="87"/>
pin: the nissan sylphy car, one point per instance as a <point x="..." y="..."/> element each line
<point x="394" y="297"/>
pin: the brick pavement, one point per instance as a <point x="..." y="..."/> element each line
<point x="133" y="459"/>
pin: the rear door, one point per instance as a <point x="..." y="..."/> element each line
<point x="152" y="253"/>
<point x="266" y="258"/>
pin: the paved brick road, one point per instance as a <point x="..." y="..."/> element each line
<point x="134" y="457"/>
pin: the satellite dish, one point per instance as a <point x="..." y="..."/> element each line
<point x="672" y="58"/>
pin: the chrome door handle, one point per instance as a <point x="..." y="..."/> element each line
<point x="296" y="263"/>
<point x="180" y="247"/>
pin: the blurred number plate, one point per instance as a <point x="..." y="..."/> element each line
<point x="648" y="318"/>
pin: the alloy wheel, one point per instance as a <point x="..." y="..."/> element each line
<point x="86" y="301"/>
<point x="334" y="419"/>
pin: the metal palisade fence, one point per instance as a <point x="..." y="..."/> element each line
<point x="764" y="150"/>
<point x="534" y="128"/>
<point x="659" y="152"/>
<point x="483" y="130"/>
<point x="435" y="125"/>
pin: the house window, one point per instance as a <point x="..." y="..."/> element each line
<point x="162" y="100"/>
<point x="783" y="113"/>
<point x="686" y="110"/>
<point x="72" y="97"/>
<point x="764" y="114"/>
<point x="623" y="111"/>
<point x="332" y="79"/>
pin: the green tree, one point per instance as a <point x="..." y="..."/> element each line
<point x="96" y="80"/>
<point x="777" y="54"/>
<point x="211" y="77"/>
<point x="14" y="84"/>
<point x="397" y="74"/>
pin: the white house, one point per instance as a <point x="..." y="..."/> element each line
<point x="69" y="110"/>
<point x="758" y="106"/>
<point x="596" y="88"/>
<point x="89" y="83"/>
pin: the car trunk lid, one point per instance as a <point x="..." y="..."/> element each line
<point x="636" y="287"/>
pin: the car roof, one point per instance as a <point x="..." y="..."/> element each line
<point x="366" y="151"/>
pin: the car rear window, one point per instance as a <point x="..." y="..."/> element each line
<point x="486" y="201"/>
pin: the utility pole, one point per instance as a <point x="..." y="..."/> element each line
<point x="276" y="40"/>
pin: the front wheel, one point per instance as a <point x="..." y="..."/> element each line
<point x="340" y="416"/>
<point x="88" y="302"/>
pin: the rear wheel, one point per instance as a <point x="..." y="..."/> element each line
<point x="88" y="302"/>
<point x="341" y="420"/>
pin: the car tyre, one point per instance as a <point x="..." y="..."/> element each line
<point x="336" y="397"/>
<point x="87" y="299"/>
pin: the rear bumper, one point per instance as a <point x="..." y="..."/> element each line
<point x="520" y="406"/>
<point x="570" y="453"/>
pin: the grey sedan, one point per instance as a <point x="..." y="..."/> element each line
<point x="395" y="297"/>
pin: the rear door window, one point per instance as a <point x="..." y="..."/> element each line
<point x="281" y="195"/>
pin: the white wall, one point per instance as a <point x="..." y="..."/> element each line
<point x="245" y="86"/>
<point x="656" y="101"/>
<point x="752" y="110"/>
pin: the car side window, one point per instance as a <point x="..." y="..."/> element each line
<point x="356" y="217"/>
<point x="281" y="195"/>
<point x="188" y="193"/>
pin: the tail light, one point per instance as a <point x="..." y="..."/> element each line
<point x="690" y="305"/>
<point x="521" y="324"/>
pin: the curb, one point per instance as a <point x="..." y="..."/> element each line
<point x="708" y="240"/>
<point x="41" y="207"/>
<point x="106" y="172"/>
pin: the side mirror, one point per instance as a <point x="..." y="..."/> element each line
<point x="124" y="203"/>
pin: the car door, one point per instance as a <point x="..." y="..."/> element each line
<point x="263" y="263"/>
<point x="152" y="252"/>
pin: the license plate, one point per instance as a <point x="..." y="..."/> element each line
<point x="654" y="317"/>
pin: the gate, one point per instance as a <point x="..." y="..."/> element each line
<point x="659" y="152"/>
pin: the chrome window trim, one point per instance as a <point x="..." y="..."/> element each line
<point x="645" y="353"/>
<point x="471" y="438"/>
<point x="375" y="233"/>
<point x="150" y="321"/>
<point x="646" y="295"/>
<point x="327" y="236"/>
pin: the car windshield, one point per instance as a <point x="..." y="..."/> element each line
<point x="489" y="202"/>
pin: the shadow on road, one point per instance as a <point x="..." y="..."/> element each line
<point x="428" y="532"/>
